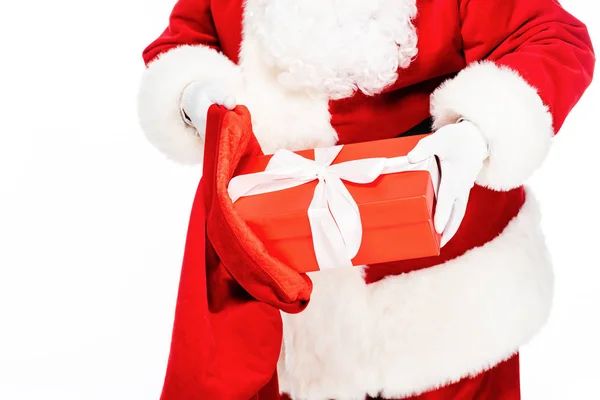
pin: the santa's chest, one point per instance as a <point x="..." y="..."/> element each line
<point x="339" y="47"/>
<point x="319" y="72"/>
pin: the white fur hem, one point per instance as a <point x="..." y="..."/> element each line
<point x="160" y="94"/>
<point x="414" y="332"/>
<point x="510" y="114"/>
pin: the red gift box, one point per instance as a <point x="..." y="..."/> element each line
<point x="396" y="209"/>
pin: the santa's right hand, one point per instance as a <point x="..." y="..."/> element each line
<point x="197" y="98"/>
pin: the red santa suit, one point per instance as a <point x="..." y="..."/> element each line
<point x="315" y="73"/>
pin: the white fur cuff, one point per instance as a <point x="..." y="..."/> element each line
<point x="510" y="114"/>
<point x="160" y="94"/>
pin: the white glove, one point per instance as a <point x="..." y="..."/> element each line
<point x="196" y="99"/>
<point x="461" y="149"/>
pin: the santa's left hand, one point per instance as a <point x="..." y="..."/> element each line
<point x="461" y="150"/>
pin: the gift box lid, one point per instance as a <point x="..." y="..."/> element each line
<point x="392" y="199"/>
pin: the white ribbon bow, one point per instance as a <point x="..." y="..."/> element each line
<point x="333" y="214"/>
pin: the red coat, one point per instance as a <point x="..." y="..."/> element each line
<point x="314" y="74"/>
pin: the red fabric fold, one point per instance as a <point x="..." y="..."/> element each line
<point x="227" y="331"/>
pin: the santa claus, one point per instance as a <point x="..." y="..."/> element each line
<point x="494" y="80"/>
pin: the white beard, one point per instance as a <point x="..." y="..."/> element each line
<point x="332" y="48"/>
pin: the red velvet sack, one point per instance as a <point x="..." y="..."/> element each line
<point x="227" y="331"/>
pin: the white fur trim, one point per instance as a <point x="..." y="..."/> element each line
<point x="160" y="93"/>
<point x="281" y="118"/>
<point x="509" y="113"/>
<point x="414" y="332"/>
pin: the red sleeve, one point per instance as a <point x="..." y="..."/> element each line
<point x="546" y="45"/>
<point x="187" y="51"/>
<point x="528" y="63"/>
<point x="190" y="23"/>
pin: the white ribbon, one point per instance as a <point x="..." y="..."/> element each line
<point x="333" y="214"/>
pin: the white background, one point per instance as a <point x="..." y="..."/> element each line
<point x="93" y="219"/>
